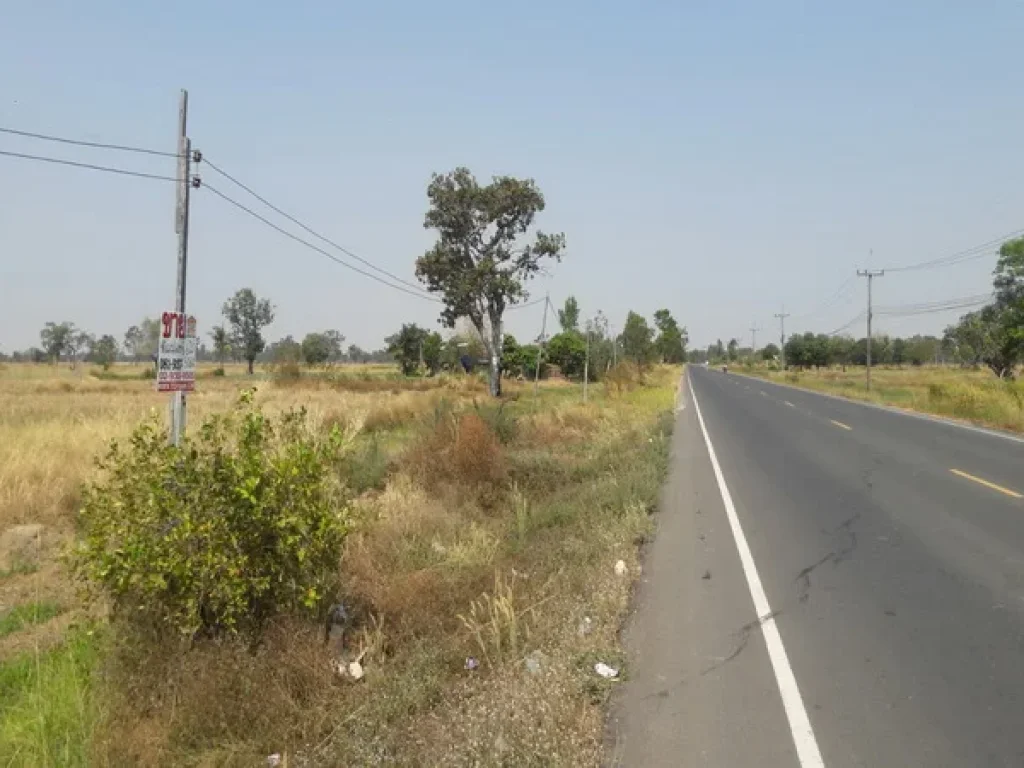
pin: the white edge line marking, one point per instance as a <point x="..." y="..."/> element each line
<point x="799" y="724"/>
<point x="897" y="411"/>
<point x="789" y="404"/>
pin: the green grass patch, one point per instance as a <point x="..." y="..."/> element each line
<point x="21" y="616"/>
<point x="47" y="715"/>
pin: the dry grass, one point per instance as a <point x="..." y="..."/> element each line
<point x="482" y="532"/>
<point x="976" y="396"/>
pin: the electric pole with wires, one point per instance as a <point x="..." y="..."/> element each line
<point x="540" y="345"/>
<point x="870" y="275"/>
<point x="178" y="403"/>
<point x="753" y="341"/>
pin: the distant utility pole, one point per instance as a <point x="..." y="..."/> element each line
<point x="586" y="365"/>
<point x="178" y="404"/>
<point x="753" y="340"/>
<point x="782" y="336"/>
<point x="870" y="275"/>
<point x="540" y="345"/>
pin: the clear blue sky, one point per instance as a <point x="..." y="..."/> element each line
<point x="716" y="158"/>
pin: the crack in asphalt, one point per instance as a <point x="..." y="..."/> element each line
<point x="836" y="556"/>
<point x="743" y="638"/>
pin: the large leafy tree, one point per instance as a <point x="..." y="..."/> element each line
<point x="406" y="347"/>
<point x="479" y="264"/>
<point x="57" y="339"/>
<point x="637" y="340"/>
<point x="569" y="315"/>
<point x="248" y="315"/>
<point x="671" y="342"/>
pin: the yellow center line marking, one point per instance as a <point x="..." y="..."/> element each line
<point x="789" y="403"/>
<point x="987" y="484"/>
<point x="841" y="425"/>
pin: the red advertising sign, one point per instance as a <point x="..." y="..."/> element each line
<point x="176" y="358"/>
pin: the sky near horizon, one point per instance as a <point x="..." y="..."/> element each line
<point x="719" y="159"/>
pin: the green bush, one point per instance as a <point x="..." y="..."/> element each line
<point x="218" y="371"/>
<point x="241" y="522"/>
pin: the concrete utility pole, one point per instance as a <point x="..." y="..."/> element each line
<point x="586" y="365"/>
<point x="870" y="275"/>
<point x="753" y="340"/>
<point x="782" y="336"/>
<point x="178" y="403"/>
<point x="540" y="346"/>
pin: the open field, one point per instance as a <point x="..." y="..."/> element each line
<point x="972" y="395"/>
<point x="495" y="541"/>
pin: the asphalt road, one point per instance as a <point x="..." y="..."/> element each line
<point x="846" y="590"/>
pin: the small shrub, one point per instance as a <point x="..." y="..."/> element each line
<point x="239" y="523"/>
<point x="500" y="421"/>
<point x="218" y="371"/>
<point x="623" y="377"/>
<point x="287" y="372"/>
<point x="938" y="392"/>
<point x="365" y="467"/>
<point x="460" y="448"/>
<point x="147" y="373"/>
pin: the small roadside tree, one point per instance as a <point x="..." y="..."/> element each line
<point x="637" y="340"/>
<point x="405" y="347"/>
<point x="104" y="351"/>
<point x="248" y="315"/>
<point x="433" y="346"/>
<point x="478" y="265"/>
<point x="568" y="350"/>
<point x="221" y="343"/>
<point x="671" y="342"/>
<point x="569" y="315"/>
<point x="316" y="349"/>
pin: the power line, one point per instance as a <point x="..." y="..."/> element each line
<point x="970" y="254"/>
<point x="88" y="166"/>
<point x="94" y="144"/>
<point x="926" y="308"/>
<point x="845" y="326"/>
<point x="308" y="229"/>
<point x="533" y="303"/>
<point x="840" y="292"/>
<point x="308" y="244"/>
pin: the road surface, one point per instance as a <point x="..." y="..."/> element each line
<point x="830" y="584"/>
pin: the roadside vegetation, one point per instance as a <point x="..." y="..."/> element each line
<point x="973" y="395"/>
<point x="472" y="545"/>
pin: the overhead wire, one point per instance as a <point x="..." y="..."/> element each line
<point x="87" y="166"/>
<point x="846" y="325"/>
<point x="244" y="208"/>
<point x="969" y="254"/>
<point x="93" y="144"/>
<point x="217" y="169"/>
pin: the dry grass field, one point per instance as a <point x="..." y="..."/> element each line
<point x="976" y="396"/>
<point x="482" y="532"/>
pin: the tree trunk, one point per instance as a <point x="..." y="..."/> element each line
<point x="250" y="361"/>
